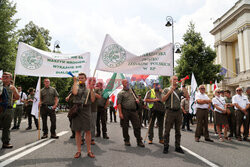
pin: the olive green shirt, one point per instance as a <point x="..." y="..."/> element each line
<point x="102" y="101"/>
<point x="185" y="104"/>
<point x="30" y="97"/>
<point x="159" y="106"/>
<point x="81" y="95"/>
<point x="48" y="95"/>
<point x="9" y="91"/>
<point x="176" y="101"/>
<point x="94" y="104"/>
<point x="229" y="100"/>
<point x="126" y="99"/>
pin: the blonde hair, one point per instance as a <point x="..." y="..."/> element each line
<point x="216" y="90"/>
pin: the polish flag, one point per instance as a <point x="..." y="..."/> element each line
<point x="113" y="96"/>
<point x="215" y="84"/>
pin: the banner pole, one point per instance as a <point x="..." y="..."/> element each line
<point x="39" y="117"/>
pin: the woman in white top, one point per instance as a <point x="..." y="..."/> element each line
<point x="220" y="109"/>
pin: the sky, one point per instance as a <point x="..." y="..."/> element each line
<point x="137" y="25"/>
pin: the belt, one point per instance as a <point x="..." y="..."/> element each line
<point x="129" y="110"/>
<point x="202" y="108"/>
<point x="46" y="105"/>
<point x="173" y="110"/>
<point x="9" y="107"/>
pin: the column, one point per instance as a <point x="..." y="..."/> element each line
<point x="246" y="38"/>
<point x="241" y="51"/>
<point x="230" y="60"/>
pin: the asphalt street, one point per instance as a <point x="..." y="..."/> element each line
<point x="28" y="151"/>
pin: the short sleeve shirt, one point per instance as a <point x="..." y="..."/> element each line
<point x="159" y="106"/>
<point x="242" y="101"/>
<point x="82" y="93"/>
<point x="30" y="97"/>
<point x="220" y="102"/>
<point x="185" y="104"/>
<point x="48" y="95"/>
<point x="126" y="99"/>
<point x="176" y="100"/>
<point x="200" y="96"/>
<point x="102" y="101"/>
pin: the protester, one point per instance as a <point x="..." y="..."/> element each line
<point x="241" y="104"/>
<point x="18" y="111"/>
<point x="82" y="122"/>
<point x="6" y="115"/>
<point x="172" y="98"/>
<point x="145" y="114"/>
<point x="127" y="105"/>
<point x="220" y="114"/>
<point x="202" y="106"/>
<point x="112" y="111"/>
<point x="102" y="105"/>
<point x="186" y="114"/>
<point x="48" y="102"/>
<point x="29" y="103"/>
<point x="157" y="110"/>
<point x="231" y="116"/>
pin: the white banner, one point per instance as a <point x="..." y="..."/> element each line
<point x="35" y="106"/>
<point x="114" y="58"/>
<point x="35" y="62"/>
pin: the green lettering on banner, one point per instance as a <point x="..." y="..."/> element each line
<point x="66" y="72"/>
<point x="152" y="68"/>
<point x="78" y="66"/>
<point x="162" y="54"/>
<point x="144" y="68"/>
<point x="63" y="67"/>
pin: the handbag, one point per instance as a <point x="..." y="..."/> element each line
<point x="73" y="112"/>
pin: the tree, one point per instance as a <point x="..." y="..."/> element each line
<point x="39" y="42"/>
<point x="198" y="58"/>
<point x="8" y="43"/>
<point x="30" y="32"/>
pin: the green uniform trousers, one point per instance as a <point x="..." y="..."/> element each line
<point x="5" y="123"/>
<point x="240" y="121"/>
<point x="202" y="123"/>
<point x="160" y="118"/>
<point x="173" y="118"/>
<point x="129" y="115"/>
<point x="18" y="112"/>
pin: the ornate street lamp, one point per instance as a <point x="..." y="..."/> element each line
<point x="56" y="45"/>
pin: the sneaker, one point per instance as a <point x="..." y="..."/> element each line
<point x="179" y="150"/>
<point x="161" y="141"/>
<point x="127" y="143"/>
<point x="165" y="150"/>
<point x="8" y="146"/>
<point x="140" y="144"/>
<point x="150" y="142"/>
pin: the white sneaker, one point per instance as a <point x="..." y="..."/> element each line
<point x="216" y="134"/>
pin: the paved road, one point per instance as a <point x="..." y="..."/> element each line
<point x="28" y="151"/>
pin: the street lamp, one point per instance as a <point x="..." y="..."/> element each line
<point x="56" y="45"/>
<point x="177" y="47"/>
<point x="170" y="22"/>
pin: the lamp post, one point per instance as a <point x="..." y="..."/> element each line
<point x="170" y="22"/>
<point x="56" y="45"/>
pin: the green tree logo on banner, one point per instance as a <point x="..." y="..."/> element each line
<point x="31" y="60"/>
<point x="114" y="56"/>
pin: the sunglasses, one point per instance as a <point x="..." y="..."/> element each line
<point x="238" y="90"/>
<point x="202" y="88"/>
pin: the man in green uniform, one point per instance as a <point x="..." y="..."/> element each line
<point x="172" y="98"/>
<point x="49" y="101"/>
<point x="157" y="110"/>
<point x="18" y="111"/>
<point x="127" y="111"/>
<point x="102" y="105"/>
<point x="29" y="103"/>
<point x="231" y="116"/>
<point x="7" y="114"/>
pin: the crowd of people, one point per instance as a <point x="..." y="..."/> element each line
<point x="169" y="106"/>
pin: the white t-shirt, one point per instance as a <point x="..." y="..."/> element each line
<point x="242" y="101"/>
<point x="24" y="97"/>
<point x="220" y="102"/>
<point x="200" y="96"/>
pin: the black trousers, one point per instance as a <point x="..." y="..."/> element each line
<point x="30" y="116"/>
<point x="45" y="112"/>
<point x="186" y="121"/>
<point x="101" y="118"/>
<point x="112" y="112"/>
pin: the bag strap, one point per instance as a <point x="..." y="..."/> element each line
<point x="219" y="101"/>
<point x="176" y="95"/>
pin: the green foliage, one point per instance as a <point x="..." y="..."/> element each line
<point x="198" y="58"/>
<point x="7" y="35"/>
<point x="40" y="42"/>
<point x="30" y="32"/>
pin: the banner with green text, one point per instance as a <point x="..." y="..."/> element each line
<point x="35" y="62"/>
<point x="114" y="58"/>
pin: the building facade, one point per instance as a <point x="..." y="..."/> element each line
<point x="232" y="44"/>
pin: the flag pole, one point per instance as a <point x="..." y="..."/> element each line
<point x="39" y="117"/>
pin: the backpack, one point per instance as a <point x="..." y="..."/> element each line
<point x="3" y="100"/>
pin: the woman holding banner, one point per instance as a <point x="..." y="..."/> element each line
<point x="83" y="97"/>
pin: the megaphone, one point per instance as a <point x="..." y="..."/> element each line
<point x="187" y="77"/>
<point x="70" y="73"/>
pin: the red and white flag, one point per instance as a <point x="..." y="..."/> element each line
<point x="215" y="84"/>
<point x="114" y="96"/>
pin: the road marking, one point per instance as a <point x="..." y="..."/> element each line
<point x="16" y="157"/>
<point x="200" y="157"/>
<point x="21" y="149"/>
